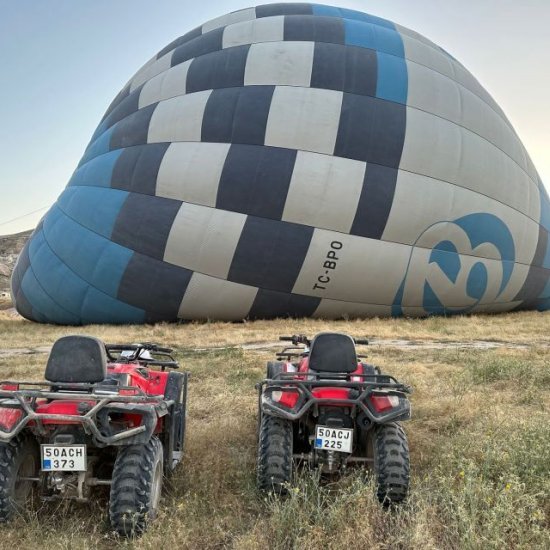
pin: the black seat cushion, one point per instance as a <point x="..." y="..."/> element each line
<point x="332" y="352"/>
<point x="77" y="359"/>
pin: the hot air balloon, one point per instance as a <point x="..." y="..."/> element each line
<point x="293" y="160"/>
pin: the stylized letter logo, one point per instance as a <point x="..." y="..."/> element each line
<point x="457" y="265"/>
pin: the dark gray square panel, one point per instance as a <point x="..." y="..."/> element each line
<point x="371" y="130"/>
<point x="129" y="105"/>
<point x="205" y="43"/>
<point x="221" y="69"/>
<point x="536" y="281"/>
<point x="154" y="286"/>
<point x="270" y="254"/>
<point x="144" y="224"/>
<point x="187" y="37"/>
<point x="270" y="304"/>
<point x="255" y="180"/>
<point x="133" y="129"/>
<point x="237" y="115"/>
<point x="119" y="97"/>
<point x="315" y="28"/>
<point x="137" y="168"/>
<point x="269" y="10"/>
<point x="344" y="68"/>
<point x="375" y="201"/>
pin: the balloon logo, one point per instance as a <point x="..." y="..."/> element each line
<point x="444" y="277"/>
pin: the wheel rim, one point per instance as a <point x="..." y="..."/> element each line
<point x="22" y="488"/>
<point x="156" y="488"/>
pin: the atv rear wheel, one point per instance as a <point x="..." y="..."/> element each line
<point x="136" y="487"/>
<point x="274" y="469"/>
<point x="391" y="463"/>
<point x="18" y="459"/>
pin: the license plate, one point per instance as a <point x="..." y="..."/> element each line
<point x="334" y="439"/>
<point x="63" y="458"/>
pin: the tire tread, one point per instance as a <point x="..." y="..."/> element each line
<point x="274" y="470"/>
<point x="131" y="487"/>
<point x="8" y="456"/>
<point x="392" y="463"/>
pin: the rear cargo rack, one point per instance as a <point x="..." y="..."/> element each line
<point x="305" y="383"/>
<point x="26" y="400"/>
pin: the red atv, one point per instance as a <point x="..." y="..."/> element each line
<point x="331" y="411"/>
<point x="103" y="418"/>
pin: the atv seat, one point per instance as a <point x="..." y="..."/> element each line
<point x="332" y="352"/>
<point x="77" y="359"/>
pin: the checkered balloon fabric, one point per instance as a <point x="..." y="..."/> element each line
<point x="293" y="160"/>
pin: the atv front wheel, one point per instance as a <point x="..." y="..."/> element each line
<point x="391" y="463"/>
<point x="274" y="469"/>
<point x="136" y="487"/>
<point x="18" y="459"/>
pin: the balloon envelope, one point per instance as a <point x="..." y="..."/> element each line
<point x="293" y="160"/>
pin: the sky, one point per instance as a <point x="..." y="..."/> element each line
<point x="63" y="61"/>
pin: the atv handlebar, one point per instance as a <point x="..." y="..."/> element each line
<point x="136" y="355"/>
<point x="146" y="346"/>
<point x="296" y="339"/>
<point x="154" y="347"/>
<point x="303" y="339"/>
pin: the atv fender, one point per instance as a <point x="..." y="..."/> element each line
<point x="149" y="419"/>
<point x="174" y="424"/>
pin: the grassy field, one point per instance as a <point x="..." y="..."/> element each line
<point x="479" y="439"/>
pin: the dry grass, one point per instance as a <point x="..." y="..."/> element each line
<point x="479" y="437"/>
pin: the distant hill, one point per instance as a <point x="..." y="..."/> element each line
<point x="10" y="246"/>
